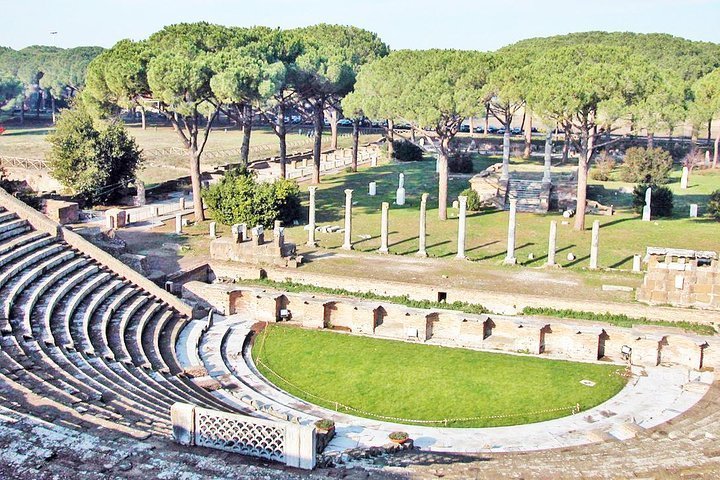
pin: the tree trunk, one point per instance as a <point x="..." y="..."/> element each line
<point x="506" y="152"/>
<point x="487" y="120"/>
<point x="355" y="143"/>
<point x="318" y="118"/>
<point x="247" y="119"/>
<point x="196" y="184"/>
<point x="390" y="137"/>
<point x="282" y="134"/>
<point x="52" y="107"/>
<point x="715" y="151"/>
<point x="566" y="147"/>
<point x="472" y="127"/>
<point x="443" y="178"/>
<point x="586" y="149"/>
<point x="333" y="128"/>
<point x="22" y="109"/>
<point x="528" y="136"/>
<point x="709" y="130"/>
<point x="142" y="117"/>
<point x="650" y="140"/>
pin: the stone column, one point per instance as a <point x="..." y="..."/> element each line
<point x="552" y="244"/>
<point x="685" y="177"/>
<point x="646" y="213"/>
<point x="594" y="245"/>
<point x="548" y="157"/>
<point x="510" y="258"/>
<point x="311" y="218"/>
<point x="372" y="189"/>
<point x="400" y="194"/>
<point x="384" y="227"/>
<point x="347" y="244"/>
<point x="181" y="203"/>
<point x="693" y="210"/>
<point x="213" y="230"/>
<point x="462" y="200"/>
<point x="140" y="199"/>
<point x="423" y="226"/>
<point x="636" y="263"/>
<point x="178" y="224"/>
<point x="506" y="156"/>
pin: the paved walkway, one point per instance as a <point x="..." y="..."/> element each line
<point x="651" y="397"/>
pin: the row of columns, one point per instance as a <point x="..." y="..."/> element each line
<point x="510" y="258"/>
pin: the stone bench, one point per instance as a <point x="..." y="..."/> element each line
<point x="117" y="303"/>
<point x="123" y="325"/>
<point x="89" y="312"/>
<point x="75" y="302"/>
<point x="52" y="304"/>
<point x="27" y="261"/>
<point x="21" y="249"/>
<point x="142" y="359"/>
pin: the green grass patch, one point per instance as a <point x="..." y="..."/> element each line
<point x="444" y="386"/>
<point x="619" y="320"/>
<point x="290" y="286"/>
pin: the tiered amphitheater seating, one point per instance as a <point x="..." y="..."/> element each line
<point x="97" y="347"/>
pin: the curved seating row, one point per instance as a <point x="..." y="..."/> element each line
<point x="95" y="345"/>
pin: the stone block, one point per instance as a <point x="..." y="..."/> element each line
<point x="182" y="416"/>
<point x="62" y="212"/>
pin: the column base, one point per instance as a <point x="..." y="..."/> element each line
<point x="422" y="254"/>
<point x="383" y="251"/>
<point x="510" y="261"/>
<point x="347" y="247"/>
<point x="311" y="244"/>
<point x="461" y="256"/>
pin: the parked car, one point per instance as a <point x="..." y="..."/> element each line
<point x="500" y="131"/>
<point x="492" y="129"/>
<point x="465" y="128"/>
<point x="516" y="131"/>
<point x="345" y="122"/>
<point x="480" y="130"/>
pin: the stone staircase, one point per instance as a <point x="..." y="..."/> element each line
<point x="532" y="195"/>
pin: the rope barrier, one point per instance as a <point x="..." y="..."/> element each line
<point x="574" y="409"/>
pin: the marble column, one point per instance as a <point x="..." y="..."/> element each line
<point x="637" y="265"/>
<point x="462" y="200"/>
<point x="548" y="158"/>
<point x="311" y="242"/>
<point x="685" y="177"/>
<point x="506" y="156"/>
<point x="594" y="245"/>
<point x="646" y="212"/>
<point x="510" y="258"/>
<point x="178" y="224"/>
<point x="347" y="244"/>
<point x="423" y="226"/>
<point x="213" y="229"/>
<point x="552" y="244"/>
<point x="384" y="228"/>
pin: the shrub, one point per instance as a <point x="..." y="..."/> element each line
<point x="646" y="165"/>
<point x="714" y="205"/>
<point x="661" y="200"/>
<point x="325" y="424"/>
<point x="460" y="162"/>
<point x="405" y="151"/>
<point x="473" y="199"/>
<point x="604" y="166"/>
<point x="240" y="198"/>
<point x="92" y="158"/>
<point x="399" y="436"/>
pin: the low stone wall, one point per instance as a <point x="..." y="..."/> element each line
<point x="285" y="442"/>
<point x="558" y="338"/>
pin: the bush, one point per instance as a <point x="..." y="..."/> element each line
<point x="399" y="436"/>
<point x="460" y="162"/>
<point x="405" y="151"/>
<point x="94" y="159"/>
<point x="661" y="200"/>
<point x="325" y="424"/>
<point x="240" y="198"/>
<point x="473" y="199"/>
<point x="646" y="165"/>
<point x="604" y="166"/>
<point x="714" y="205"/>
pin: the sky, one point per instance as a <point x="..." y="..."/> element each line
<point x="418" y="24"/>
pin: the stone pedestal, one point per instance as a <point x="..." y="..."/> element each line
<point x="594" y="245"/>
<point x="115" y="218"/>
<point x="372" y="189"/>
<point x="636" y="266"/>
<point x="510" y="257"/>
<point x="178" y="224"/>
<point x="384" y="228"/>
<point x="181" y="203"/>
<point x="423" y="226"/>
<point x="311" y="242"/>
<point x="462" y="201"/>
<point x="400" y="196"/>
<point x="693" y="210"/>
<point x="552" y="244"/>
<point x="213" y="230"/>
<point x="685" y="177"/>
<point x="347" y="243"/>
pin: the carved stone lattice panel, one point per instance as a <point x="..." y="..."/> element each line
<point x="234" y="434"/>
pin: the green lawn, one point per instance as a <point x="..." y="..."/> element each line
<point x="621" y="236"/>
<point x="423" y="382"/>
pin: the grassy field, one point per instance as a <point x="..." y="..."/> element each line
<point x="621" y="236"/>
<point x="423" y="382"/>
<point x="30" y="142"/>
